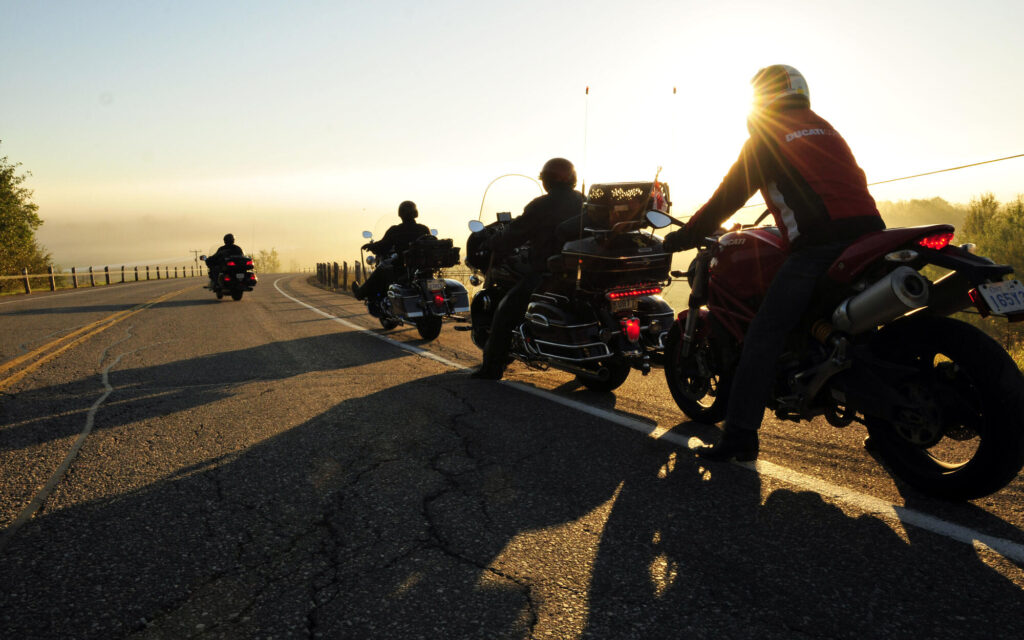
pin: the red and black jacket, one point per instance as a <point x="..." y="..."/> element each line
<point x="807" y="175"/>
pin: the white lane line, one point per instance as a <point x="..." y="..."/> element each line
<point x="868" y="504"/>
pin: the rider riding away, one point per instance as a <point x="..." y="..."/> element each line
<point x="535" y="226"/>
<point x="819" y="198"/>
<point x="216" y="261"/>
<point x="396" y="240"/>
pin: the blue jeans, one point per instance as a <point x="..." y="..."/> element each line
<point x="784" y="304"/>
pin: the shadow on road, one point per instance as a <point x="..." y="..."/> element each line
<point x="448" y="507"/>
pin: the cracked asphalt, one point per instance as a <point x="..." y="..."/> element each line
<point x="261" y="471"/>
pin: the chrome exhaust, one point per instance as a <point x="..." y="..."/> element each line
<point x="900" y="292"/>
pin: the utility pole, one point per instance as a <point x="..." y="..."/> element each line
<point x="195" y="256"/>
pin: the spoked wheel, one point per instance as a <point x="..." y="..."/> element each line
<point x="429" y="327"/>
<point x="960" y="433"/>
<point x="617" y="374"/>
<point x="696" y="382"/>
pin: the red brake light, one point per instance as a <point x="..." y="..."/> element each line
<point x="631" y="327"/>
<point x="231" y="263"/>
<point x="938" y="241"/>
<point x="630" y="293"/>
<point x="248" y="263"/>
<point x="227" y="278"/>
<point x="438" y="299"/>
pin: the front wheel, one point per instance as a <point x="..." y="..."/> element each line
<point x="429" y="327"/>
<point x="961" y="434"/>
<point x="617" y="374"/>
<point x="697" y="382"/>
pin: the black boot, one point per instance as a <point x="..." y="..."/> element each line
<point x="738" y="444"/>
<point x="356" y="293"/>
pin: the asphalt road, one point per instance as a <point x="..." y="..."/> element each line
<point x="172" y="466"/>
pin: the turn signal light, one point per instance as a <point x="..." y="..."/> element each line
<point x="938" y="241"/>
<point x="631" y="327"/>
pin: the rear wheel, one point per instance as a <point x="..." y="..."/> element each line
<point x="697" y="383"/>
<point x="236" y="295"/>
<point x="961" y="435"/>
<point x="617" y="374"/>
<point x="219" y="293"/>
<point x="388" y="323"/>
<point x="429" y="327"/>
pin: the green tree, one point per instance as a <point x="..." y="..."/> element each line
<point x="267" y="261"/>
<point x="19" y="220"/>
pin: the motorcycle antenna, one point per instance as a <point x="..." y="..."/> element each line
<point x="583" y="165"/>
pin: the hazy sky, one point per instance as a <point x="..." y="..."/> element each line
<point x="152" y="128"/>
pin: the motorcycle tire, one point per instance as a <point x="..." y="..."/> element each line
<point x="388" y="323"/>
<point x="220" y="294"/>
<point x="617" y="374"/>
<point x="236" y="295"/>
<point x="429" y="327"/>
<point x="971" y="443"/>
<point x="703" y="397"/>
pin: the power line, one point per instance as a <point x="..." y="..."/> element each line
<point x="918" y="175"/>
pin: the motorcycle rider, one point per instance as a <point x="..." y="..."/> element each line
<point x="819" y="198"/>
<point x="396" y="240"/>
<point x="215" y="263"/>
<point x="537" y="226"/>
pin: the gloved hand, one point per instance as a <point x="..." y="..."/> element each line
<point x="679" y="240"/>
<point x="366" y="246"/>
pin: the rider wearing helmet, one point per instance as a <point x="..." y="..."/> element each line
<point x="396" y="240"/>
<point x="216" y="261"/>
<point x="536" y="226"/>
<point x="819" y="198"/>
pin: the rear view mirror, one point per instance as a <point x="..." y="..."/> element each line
<point x="658" y="220"/>
<point x="367" y="235"/>
<point x="433" y="232"/>
<point x="476" y="226"/>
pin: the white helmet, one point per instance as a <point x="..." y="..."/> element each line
<point x="776" y="82"/>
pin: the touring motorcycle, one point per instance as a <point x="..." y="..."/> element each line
<point x="234" y="277"/>
<point x="419" y="295"/>
<point x="598" y="313"/>
<point x="942" y="401"/>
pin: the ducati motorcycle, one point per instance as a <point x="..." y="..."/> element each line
<point x="597" y="313"/>
<point x="942" y="402"/>
<point x="419" y="295"/>
<point x="234" y="278"/>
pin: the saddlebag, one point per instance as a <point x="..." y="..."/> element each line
<point x="557" y="333"/>
<point x="406" y="302"/>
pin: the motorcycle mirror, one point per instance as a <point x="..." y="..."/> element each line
<point x="476" y="226"/>
<point x="370" y="259"/>
<point x="658" y="219"/>
<point x="433" y="232"/>
<point x="203" y="257"/>
<point x="367" y="234"/>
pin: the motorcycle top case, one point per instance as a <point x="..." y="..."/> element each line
<point x="621" y="206"/>
<point x="428" y="252"/>
<point x="616" y="261"/>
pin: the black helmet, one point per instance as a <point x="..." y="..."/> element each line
<point x="229" y="239"/>
<point x="558" y="171"/>
<point x="779" y="82"/>
<point x="407" y="210"/>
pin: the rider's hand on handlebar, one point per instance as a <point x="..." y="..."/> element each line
<point x="680" y="240"/>
<point x="366" y="246"/>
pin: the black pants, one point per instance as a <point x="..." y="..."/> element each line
<point x="507" y="316"/>
<point x="378" y="282"/>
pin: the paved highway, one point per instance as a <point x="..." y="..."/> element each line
<point x="173" y="466"/>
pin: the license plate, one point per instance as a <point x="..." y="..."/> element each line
<point x="626" y="304"/>
<point x="1005" y="297"/>
<point x="435" y="285"/>
<point x="240" y="275"/>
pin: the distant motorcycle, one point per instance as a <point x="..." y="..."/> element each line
<point x="598" y="314"/>
<point x="234" y="276"/>
<point x="941" y="400"/>
<point x="419" y="295"/>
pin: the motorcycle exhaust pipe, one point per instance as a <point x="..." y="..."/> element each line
<point x="898" y="293"/>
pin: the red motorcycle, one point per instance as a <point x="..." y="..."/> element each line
<point x="943" y="402"/>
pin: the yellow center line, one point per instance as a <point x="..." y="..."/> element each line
<point x="74" y="338"/>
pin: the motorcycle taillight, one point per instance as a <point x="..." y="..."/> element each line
<point x="937" y="241"/>
<point x="231" y="263"/>
<point x="439" y="299"/>
<point x="631" y="327"/>
<point x="248" y="263"/>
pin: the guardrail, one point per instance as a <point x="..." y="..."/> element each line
<point x="135" y="275"/>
